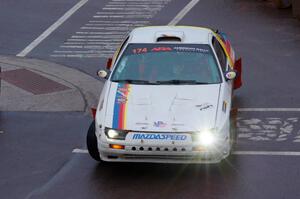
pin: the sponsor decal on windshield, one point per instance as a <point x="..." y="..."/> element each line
<point x="173" y="48"/>
<point x="139" y="50"/>
<point x="191" y="49"/>
<point x="120" y="107"/>
<point x="161" y="49"/>
<point x="158" y="136"/>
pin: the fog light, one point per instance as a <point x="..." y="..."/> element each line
<point x="116" y="146"/>
<point x="199" y="148"/>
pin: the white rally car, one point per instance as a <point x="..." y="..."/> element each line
<point x="167" y="98"/>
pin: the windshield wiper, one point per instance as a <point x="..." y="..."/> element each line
<point x="134" y="81"/>
<point x="177" y="81"/>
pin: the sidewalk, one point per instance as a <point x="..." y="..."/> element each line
<point x="35" y="85"/>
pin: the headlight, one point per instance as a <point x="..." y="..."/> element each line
<point x="205" y="138"/>
<point x="115" y="134"/>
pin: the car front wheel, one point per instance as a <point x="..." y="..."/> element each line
<point x="91" y="142"/>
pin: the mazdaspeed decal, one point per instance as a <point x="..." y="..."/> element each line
<point x="120" y="107"/>
<point x="158" y="136"/>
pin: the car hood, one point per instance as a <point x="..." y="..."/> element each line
<point x="161" y="108"/>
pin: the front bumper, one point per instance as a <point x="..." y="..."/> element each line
<point x="162" y="153"/>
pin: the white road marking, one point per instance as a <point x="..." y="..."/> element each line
<point x="121" y="13"/>
<point x="82" y="51"/>
<point x="97" y="40"/>
<point x="123" y="16"/>
<point x="100" y="33"/>
<point x="268" y="128"/>
<point x="103" y="27"/>
<point x="128" y="25"/>
<point x="80" y="151"/>
<point x="183" y="12"/>
<point x="98" y="55"/>
<point x="71" y="46"/>
<point x="132" y="9"/>
<point x="269" y="109"/>
<point x="118" y="22"/>
<point x="52" y="28"/>
<point x="112" y="38"/>
<point x="134" y="5"/>
<point x="90" y="47"/>
<point x="135" y="2"/>
<point x="142" y="0"/>
<point x="106" y="28"/>
<point x="263" y="153"/>
<point x="94" y="43"/>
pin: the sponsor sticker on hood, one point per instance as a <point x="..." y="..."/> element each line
<point x="120" y="107"/>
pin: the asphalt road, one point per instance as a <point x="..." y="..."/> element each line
<point x="36" y="148"/>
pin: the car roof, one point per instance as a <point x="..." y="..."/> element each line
<point x="185" y="34"/>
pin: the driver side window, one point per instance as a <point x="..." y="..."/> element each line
<point x="220" y="54"/>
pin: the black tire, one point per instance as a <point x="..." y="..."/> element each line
<point x="233" y="139"/>
<point x="91" y="142"/>
<point x="233" y="133"/>
<point x="232" y="145"/>
<point x="233" y="127"/>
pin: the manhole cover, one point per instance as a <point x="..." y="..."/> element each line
<point x="32" y="82"/>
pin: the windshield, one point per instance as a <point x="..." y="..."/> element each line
<point x="167" y="63"/>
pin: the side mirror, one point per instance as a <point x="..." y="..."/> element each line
<point x="109" y="63"/>
<point x="102" y="74"/>
<point x="230" y="75"/>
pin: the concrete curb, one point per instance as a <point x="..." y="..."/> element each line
<point x="84" y="93"/>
